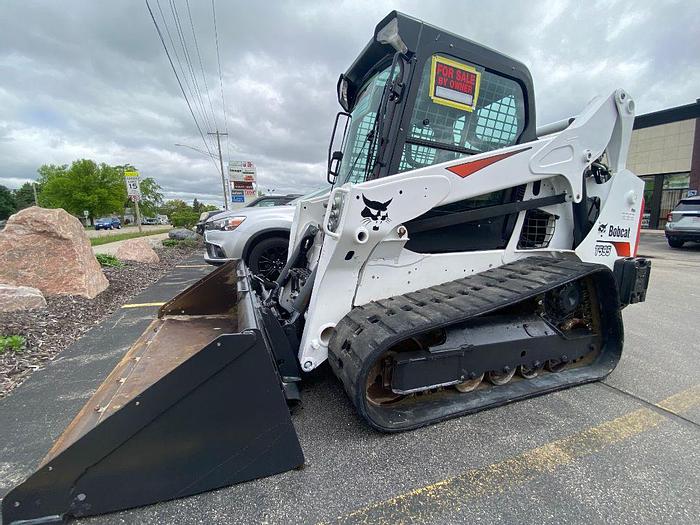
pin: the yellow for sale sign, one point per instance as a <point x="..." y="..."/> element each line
<point x="454" y="84"/>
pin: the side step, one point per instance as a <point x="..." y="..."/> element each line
<point x="196" y="404"/>
<point x="388" y="348"/>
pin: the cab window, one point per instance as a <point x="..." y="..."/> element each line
<point x="440" y="132"/>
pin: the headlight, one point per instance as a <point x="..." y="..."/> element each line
<point x="336" y="211"/>
<point x="343" y="93"/>
<point x="228" y="224"/>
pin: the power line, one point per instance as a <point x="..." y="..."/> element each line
<point x="221" y="80"/>
<point x="188" y="60"/>
<point x="177" y="77"/>
<point x="201" y="65"/>
<point x="190" y="89"/>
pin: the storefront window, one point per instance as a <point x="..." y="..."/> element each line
<point x="661" y="194"/>
<point x="677" y="181"/>
<point x="674" y="188"/>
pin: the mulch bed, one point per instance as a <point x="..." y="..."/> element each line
<point x="67" y="318"/>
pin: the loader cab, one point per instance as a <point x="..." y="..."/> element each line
<point x="418" y="95"/>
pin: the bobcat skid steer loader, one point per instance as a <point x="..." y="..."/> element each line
<point x="464" y="259"/>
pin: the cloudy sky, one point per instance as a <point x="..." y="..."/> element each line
<point x="90" y="79"/>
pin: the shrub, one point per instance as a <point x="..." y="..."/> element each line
<point x="108" y="261"/>
<point x="184" y="219"/>
<point x="190" y="243"/>
<point x="12" y="343"/>
<point x="185" y="243"/>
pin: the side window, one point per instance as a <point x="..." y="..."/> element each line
<point x="364" y="115"/>
<point x="490" y="116"/>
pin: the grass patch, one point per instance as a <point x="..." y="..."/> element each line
<point x="11" y="343"/>
<point x="97" y="241"/>
<point x="108" y="261"/>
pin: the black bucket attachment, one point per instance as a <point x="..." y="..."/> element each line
<point x="197" y="403"/>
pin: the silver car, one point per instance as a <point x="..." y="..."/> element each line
<point x="259" y="236"/>
<point x="683" y="223"/>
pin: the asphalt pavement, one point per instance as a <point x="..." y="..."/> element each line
<point x="624" y="450"/>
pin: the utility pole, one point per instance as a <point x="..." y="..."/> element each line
<point x="138" y="212"/>
<point x="221" y="165"/>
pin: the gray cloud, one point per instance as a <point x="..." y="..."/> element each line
<point x="90" y="79"/>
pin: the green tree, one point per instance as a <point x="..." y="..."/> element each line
<point x="7" y="203"/>
<point x="196" y="205"/>
<point x="184" y="218"/>
<point x="174" y="206"/>
<point x="85" y="185"/>
<point x="24" y="195"/>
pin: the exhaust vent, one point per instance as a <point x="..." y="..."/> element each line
<point x="537" y="230"/>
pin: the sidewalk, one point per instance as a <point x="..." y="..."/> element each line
<point x="112" y="247"/>
<point x="91" y="232"/>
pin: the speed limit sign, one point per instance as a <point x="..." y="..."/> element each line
<point x="133" y="190"/>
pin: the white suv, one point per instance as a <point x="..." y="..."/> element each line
<point x="683" y="223"/>
<point x="259" y="236"/>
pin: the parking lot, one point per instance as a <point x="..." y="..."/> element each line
<point x="624" y="450"/>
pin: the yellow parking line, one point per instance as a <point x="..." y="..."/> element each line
<point x="681" y="401"/>
<point x="141" y="305"/>
<point x="422" y="504"/>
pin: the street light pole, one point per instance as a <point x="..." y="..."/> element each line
<point x="221" y="165"/>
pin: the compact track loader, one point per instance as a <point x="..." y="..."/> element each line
<point x="463" y="260"/>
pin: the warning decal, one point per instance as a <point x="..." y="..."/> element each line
<point x="454" y="84"/>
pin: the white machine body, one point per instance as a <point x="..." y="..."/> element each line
<point x="360" y="259"/>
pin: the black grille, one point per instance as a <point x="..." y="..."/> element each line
<point x="215" y="251"/>
<point x="537" y="231"/>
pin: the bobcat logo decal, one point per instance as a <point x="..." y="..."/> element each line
<point x="602" y="228"/>
<point x="375" y="212"/>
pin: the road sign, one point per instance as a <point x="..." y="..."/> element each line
<point x="133" y="189"/>
<point x="86" y="214"/>
<point x="242" y="181"/>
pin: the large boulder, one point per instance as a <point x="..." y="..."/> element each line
<point x="49" y="250"/>
<point x="180" y="234"/>
<point x="15" y="298"/>
<point x="139" y="250"/>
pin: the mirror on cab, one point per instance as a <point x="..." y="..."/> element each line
<point x="336" y="146"/>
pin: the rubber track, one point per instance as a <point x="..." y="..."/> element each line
<point x="369" y="330"/>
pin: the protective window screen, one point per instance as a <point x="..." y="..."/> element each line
<point x="497" y="121"/>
